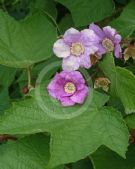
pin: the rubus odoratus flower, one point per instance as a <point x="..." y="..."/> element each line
<point x="108" y="40"/>
<point x="69" y="88"/>
<point x="75" y="48"/>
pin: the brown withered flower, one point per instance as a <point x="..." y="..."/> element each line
<point x="129" y="53"/>
<point x="103" y="83"/>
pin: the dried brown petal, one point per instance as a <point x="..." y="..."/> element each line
<point x="103" y="83"/>
<point x="93" y="59"/>
<point x="129" y="53"/>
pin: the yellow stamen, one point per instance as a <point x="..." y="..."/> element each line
<point x="77" y="49"/>
<point x="70" y="88"/>
<point x="108" y="44"/>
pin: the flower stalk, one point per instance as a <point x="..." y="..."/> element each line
<point x="29" y="77"/>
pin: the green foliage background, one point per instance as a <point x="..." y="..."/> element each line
<point x="32" y="139"/>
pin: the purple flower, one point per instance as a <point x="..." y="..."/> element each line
<point x="75" y="48"/>
<point x="68" y="87"/>
<point x="108" y="40"/>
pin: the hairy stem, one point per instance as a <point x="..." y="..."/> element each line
<point x="29" y="77"/>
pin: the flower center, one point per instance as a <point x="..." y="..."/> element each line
<point x="108" y="44"/>
<point x="77" y="49"/>
<point x="70" y="88"/>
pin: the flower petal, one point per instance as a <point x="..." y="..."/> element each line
<point x="61" y="49"/>
<point x="56" y="91"/>
<point x="88" y="37"/>
<point x="70" y="63"/>
<point x="86" y="64"/>
<point x="117" y="39"/>
<point x="71" y="31"/>
<point x="118" y="51"/>
<point x="93" y="49"/>
<point x="78" y="78"/>
<point x="85" y="61"/>
<point x="80" y="86"/>
<point x="80" y="96"/>
<point x="71" y="36"/>
<point x="56" y="86"/>
<point x="97" y="30"/>
<point x="101" y="50"/>
<point x="66" y="101"/>
<point x="109" y="32"/>
<point x="51" y="88"/>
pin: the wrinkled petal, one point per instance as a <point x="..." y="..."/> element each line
<point x="61" y="49"/>
<point x="97" y="30"/>
<point x="118" y="51"/>
<point x="56" y="91"/>
<point x="93" y="49"/>
<point x="75" y="77"/>
<point x="85" y="61"/>
<point x="66" y="101"/>
<point x="109" y="32"/>
<point x="80" y="96"/>
<point x="71" y="31"/>
<point x="51" y="85"/>
<point x="101" y="50"/>
<point x="56" y="88"/>
<point x="117" y="39"/>
<point x="78" y="77"/>
<point x="70" y="63"/>
<point x="71" y="36"/>
<point x="51" y="88"/>
<point x="52" y="93"/>
<point x="88" y="37"/>
<point x="80" y="86"/>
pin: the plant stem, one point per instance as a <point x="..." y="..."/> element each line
<point x="5" y="137"/>
<point x="29" y="77"/>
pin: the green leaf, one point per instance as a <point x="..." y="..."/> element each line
<point x="103" y="158"/>
<point x="131" y="68"/>
<point x="73" y="135"/>
<point x="30" y="124"/>
<point x="36" y="70"/>
<point x="23" y="43"/>
<point x="31" y="152"/>
<point x="125" y="23"/>
<point x="7" y="76"/>
<point x="85" y="164"/>
<point x="86" y="134"/>
<point x="46" y="5"/>
<point x="120" y="86"/>
<point x="116" y="103"/>
<point x="66" y="23"/>
<point x="4" y="99"/>
<point x="28" y="153"/>
<point x="85" y="12"/>
<point x="130" y="120"/>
